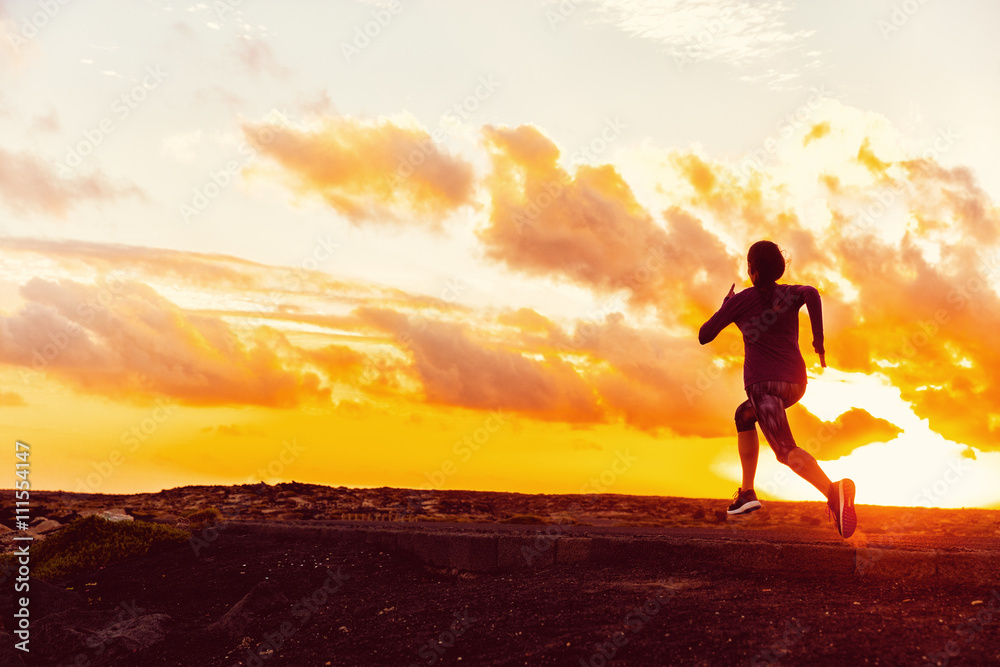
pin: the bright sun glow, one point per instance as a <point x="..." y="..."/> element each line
<point x="917" y="468"/>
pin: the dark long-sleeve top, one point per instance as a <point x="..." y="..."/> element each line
<point x="770" y="336"/>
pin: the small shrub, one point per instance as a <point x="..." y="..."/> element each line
<point x="92" y="542"/>
<point x="199" y="519"/>
<point x="524" y="519"/>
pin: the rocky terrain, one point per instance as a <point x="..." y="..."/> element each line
<point x="296" y="501"/>
<point x="246" y="598"/>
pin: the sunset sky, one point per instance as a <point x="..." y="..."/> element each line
<point x="469" y="245"/>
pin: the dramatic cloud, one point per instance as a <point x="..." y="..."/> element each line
<point x="375" y="171"/>
<point x="831" y="440"/>
<point x="903" y="249"/>
<point x="122" y="339"/>
<point x="654" y="381"/>
<point x="456" y="369"/>
<point x="267" y="291"/>
<point x="588" y="227"/>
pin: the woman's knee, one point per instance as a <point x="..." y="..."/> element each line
<point x="746" y="418"/>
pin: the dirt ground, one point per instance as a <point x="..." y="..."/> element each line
<point x="350" y="604"/>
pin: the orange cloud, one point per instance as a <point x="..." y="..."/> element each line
<point x="588" y="227"/>
<point x="867" y="157"/>
<point x="455" y="368"/>
<point x="278" y="292"/>
<point x="369" y="171"/>
<point x="930" y="321"/>
<point x="655" y="381"/>
<point x="123" y="339"/>
<point x="818" y="131"/>
<point x="832" y="440"/>
<point x="923" y="303"/>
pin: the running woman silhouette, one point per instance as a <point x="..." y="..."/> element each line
<point x="774" y="375"/>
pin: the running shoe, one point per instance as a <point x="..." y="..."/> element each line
<point x="744" y="501"/>
<point x="840" y="500"/>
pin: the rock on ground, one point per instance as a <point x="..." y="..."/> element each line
<point x="262" y="599"/>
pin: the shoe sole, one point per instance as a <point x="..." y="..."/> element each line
<point x="848" y="517"/>
<point x="743" y="509"/>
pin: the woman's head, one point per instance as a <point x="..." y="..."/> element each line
<point x="765" y="263"/>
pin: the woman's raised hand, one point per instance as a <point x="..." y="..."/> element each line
<point x="732" y="291"/>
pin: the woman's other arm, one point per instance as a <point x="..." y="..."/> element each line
<point x="815" y="307"/>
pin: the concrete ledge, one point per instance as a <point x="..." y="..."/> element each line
<point x="609" y="549"/>
<point x="515" y="552"/>
<point x="817" y="558"/>
<point x="383" y="539"/>
<point x="889" y="563"/>
<point x="572" y="550"/>
<point x="970" y="567"/>
<point x="475" y="553"/>
<point x="486" y="550"/>
<point x="754" y="555"/>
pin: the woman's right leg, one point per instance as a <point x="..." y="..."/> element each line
<point x="770" y="411"/>
<point x="769" y="400"/>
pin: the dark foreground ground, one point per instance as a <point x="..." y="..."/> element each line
<point x="385" y="609"/>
